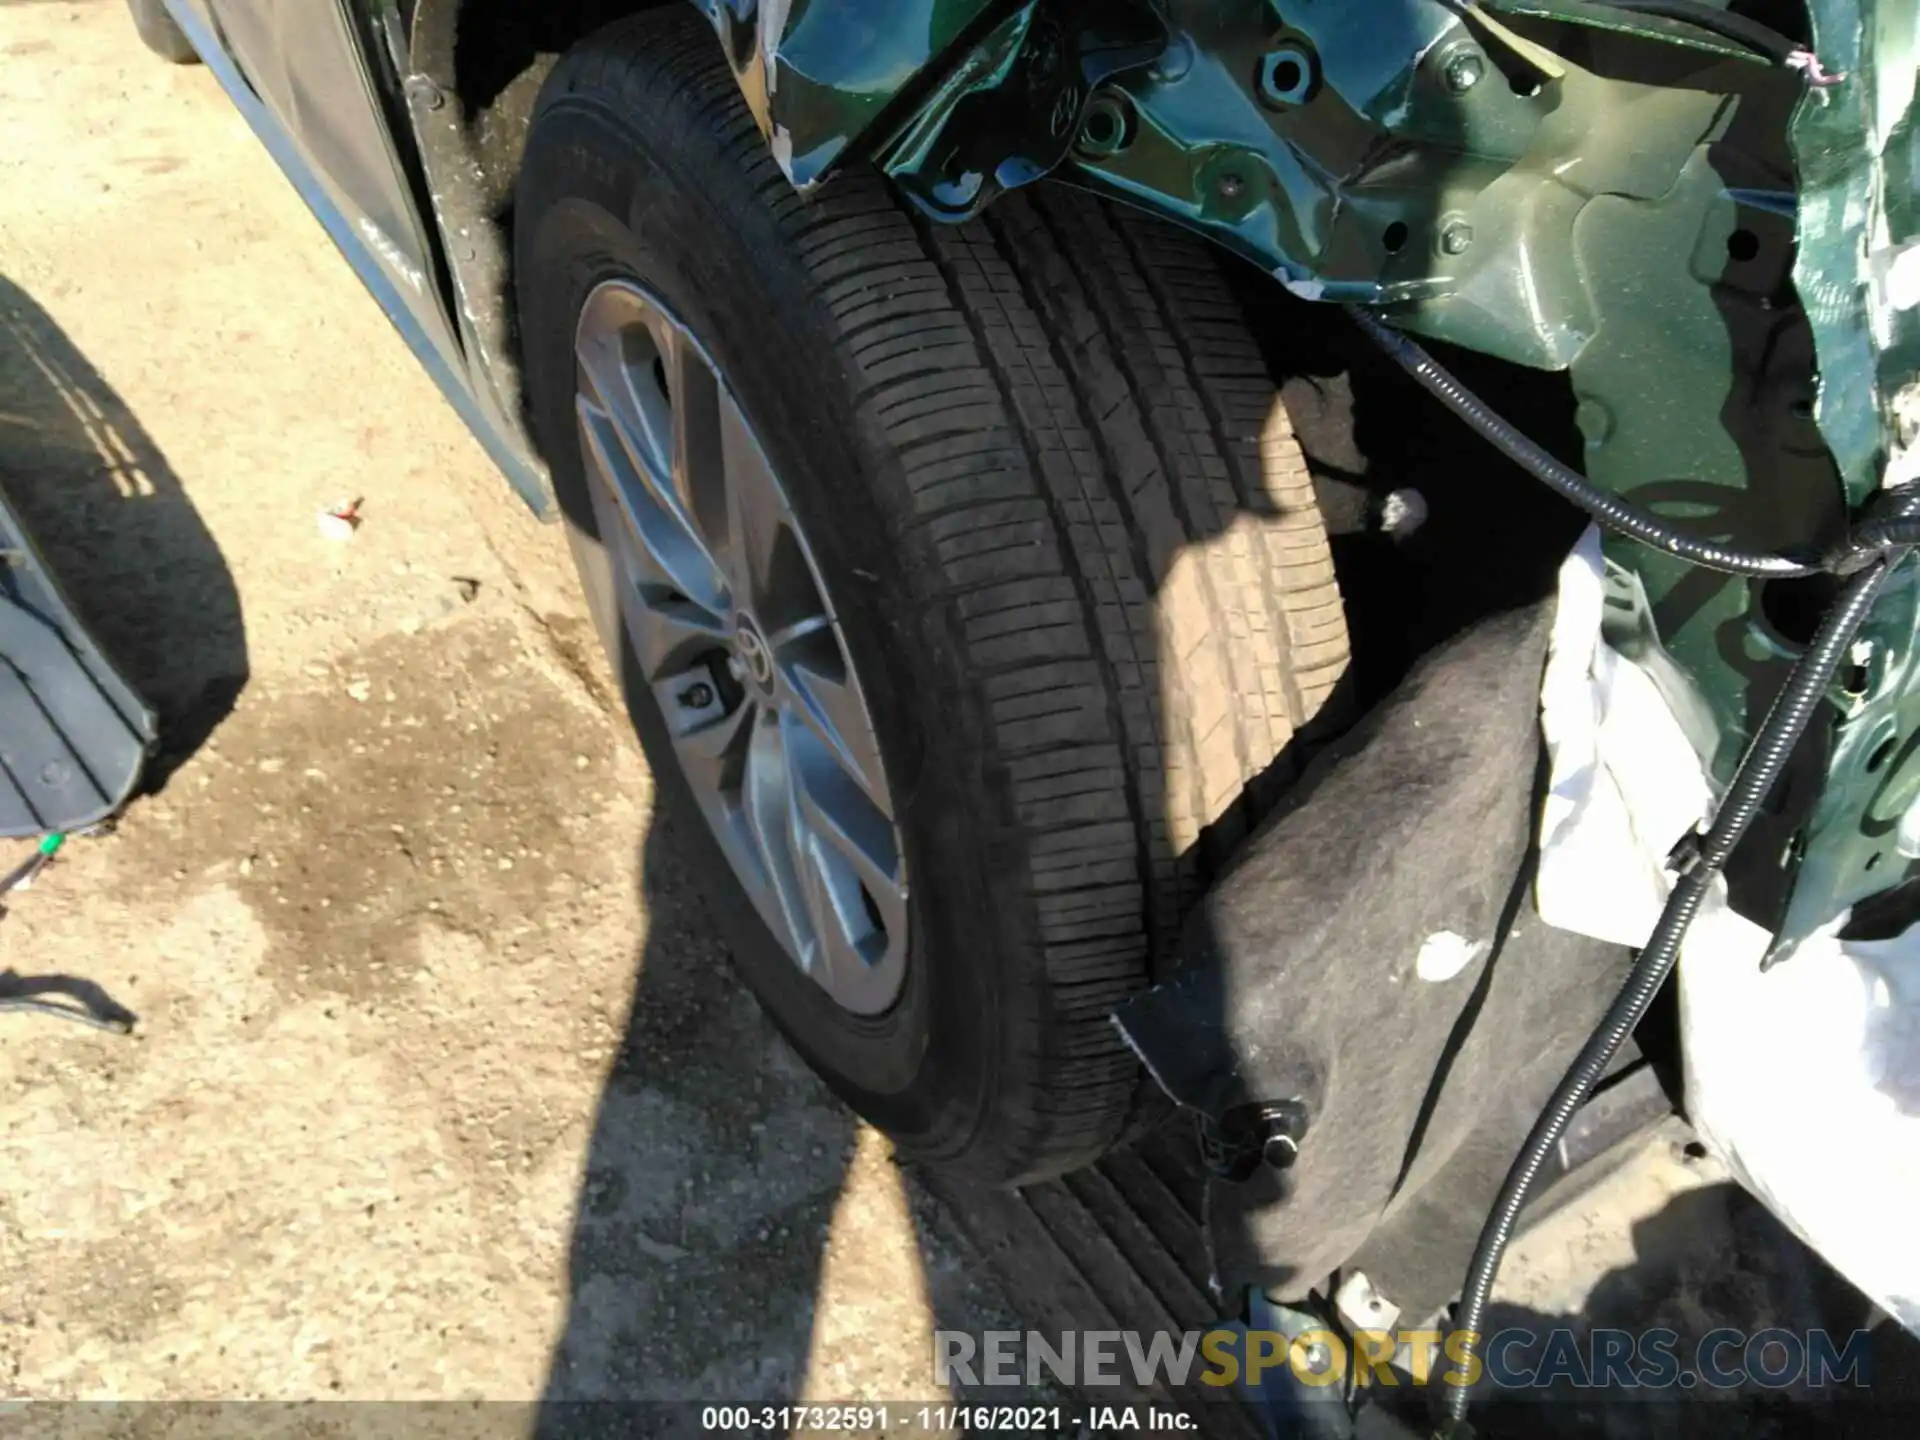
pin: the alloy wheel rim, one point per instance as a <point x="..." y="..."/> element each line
<point x="732" y="628"/>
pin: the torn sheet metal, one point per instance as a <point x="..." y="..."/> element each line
<point x="1805" y="1077"/>
<point x="818" y="73"/>
<point x="1857" y="261"/>
<point x="1859" y="163"/>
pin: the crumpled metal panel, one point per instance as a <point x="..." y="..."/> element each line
<point x="1561" y="184"/>
<point x="1858" y="269"/>
<point x="817" y="74"/>
<point x="1858" y="274"/>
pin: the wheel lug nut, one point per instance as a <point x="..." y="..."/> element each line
<point x="697" y="696"/>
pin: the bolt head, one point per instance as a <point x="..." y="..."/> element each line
<point x="420" y="88"/>
<point x="1317" y="1357"/>
<point x="1103" y="130"/>
<point x="697" y="696"/>
<point x="1463" y="71"/>
<point x="1230" y="187"/>
<point x="1285" y="77"/>
<point x="1456" y="238"/>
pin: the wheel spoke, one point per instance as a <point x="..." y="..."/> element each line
<point x="850" y="829"/>
<point x="817" y="687"/>
<point x="667" y="632"/>
<point x="638" y="406"/>
<point x="671" y="637"/>
<point x="821" y="941"/>
<point x="766" y="795"/>
<point x="627" y="439"/>
<point x="711" y="741"/>
<point x="764" y="562"/>
<point x="848" y="871"/>
<point x="838" y="916"/>
<point x="694" y="457"/>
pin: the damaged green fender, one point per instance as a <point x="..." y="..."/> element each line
<point x="818" y="74"/>
<point x="1858" y="274"/>
<point x="1690" y="225"/>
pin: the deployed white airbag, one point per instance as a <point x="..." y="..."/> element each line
<point x="1805" y="1078"/>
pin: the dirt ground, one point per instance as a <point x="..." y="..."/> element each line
<point x="386" y="929"/>
<point x="441" y="1085"/>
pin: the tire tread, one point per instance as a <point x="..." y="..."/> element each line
<point x="1123" y="531"/>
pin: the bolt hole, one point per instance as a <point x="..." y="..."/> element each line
<point x="1882" y="753"/>
<point x="1524" y="85"/>
<point x="1394" y="237"/>
<point x="1742" y="246"/>
<point x="1801" y="409"/>
<point x="1794" y="608"/>
<point x="1106" y="129"/>
<point x="1288" y="75"/>
<point x="1694" y="1150"/>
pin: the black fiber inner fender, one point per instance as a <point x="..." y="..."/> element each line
<point x="1301" y="979"/>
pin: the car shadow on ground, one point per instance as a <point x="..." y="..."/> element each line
<point x="739" y="1239"/>
<point x="119" y="532"/>
<point x="709" y="1188"/>
<point x="1764" y="1338"/>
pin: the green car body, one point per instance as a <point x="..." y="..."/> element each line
<point x="1699" y="234"/>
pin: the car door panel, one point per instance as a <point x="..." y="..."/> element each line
<point x="299" y="74"/>
<point x="304" y="61"/>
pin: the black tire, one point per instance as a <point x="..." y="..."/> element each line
<point x="1048" y="481"/>
<point x="159" y="32"/>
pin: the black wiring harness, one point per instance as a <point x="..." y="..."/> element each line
<point x="1878" y="542"/>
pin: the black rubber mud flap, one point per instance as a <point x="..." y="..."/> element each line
<point x="73" y="735"/>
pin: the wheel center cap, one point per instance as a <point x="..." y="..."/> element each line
<point x="755" y="658"/>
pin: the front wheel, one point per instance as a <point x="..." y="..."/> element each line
<point x="966" y="583"/>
